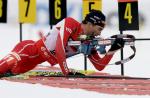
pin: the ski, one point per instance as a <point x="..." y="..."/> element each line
<point x="95" y="77"/>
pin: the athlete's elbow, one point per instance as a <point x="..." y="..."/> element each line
<point x="100" y="67"/>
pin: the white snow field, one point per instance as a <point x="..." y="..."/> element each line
<point x="9" y="36"/>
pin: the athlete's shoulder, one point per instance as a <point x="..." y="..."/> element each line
<point x="71" y="20"/>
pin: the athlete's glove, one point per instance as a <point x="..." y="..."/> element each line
<point x="75" y="74"/>
<point x="85" y="48"/>
<point x="102" y="49"/>
<point x="118" y="44"/>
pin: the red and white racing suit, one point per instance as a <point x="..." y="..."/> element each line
<point x="27" y="54"/>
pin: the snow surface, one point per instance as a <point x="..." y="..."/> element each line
<point x="23" y="90"/>
<point x="9" y="36"/>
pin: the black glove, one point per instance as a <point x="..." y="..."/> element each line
<point x="76" y="73"/>
<point x="118" y="44"/>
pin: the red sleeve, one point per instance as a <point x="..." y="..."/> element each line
<point x="98" y="62"/>
<point x="75" y="27"/>
<point x="65" y="33"/>
<point x="61" y="56"/>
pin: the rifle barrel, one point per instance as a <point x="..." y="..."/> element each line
<point x="142" y="39"/>
<point x="109" y="41"/>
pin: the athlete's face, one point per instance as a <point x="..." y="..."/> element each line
<point x="97" y="30"/>
<point x="94" y="30"/>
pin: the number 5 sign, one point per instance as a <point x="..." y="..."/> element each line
<point x="128" y="15"/>
<point x="88" y="5"/>
<point x="27" y="11"/>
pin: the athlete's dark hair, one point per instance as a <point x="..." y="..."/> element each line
<point x="95" y="17"/>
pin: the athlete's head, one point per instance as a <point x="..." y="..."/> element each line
<point x="94" y="23"/>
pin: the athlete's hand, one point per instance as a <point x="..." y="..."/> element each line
<point x="75" y="74"/>
<point x="118" y="44"/>
<point x="40" y="34"/>
<point x="85" y="48"/>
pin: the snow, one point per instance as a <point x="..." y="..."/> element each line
<point x="9" y="36"/>
<point x="23" y="90"/>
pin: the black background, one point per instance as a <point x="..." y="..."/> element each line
<point x="123" y="23"/>
<point x="4" y="11"/>
<point x="63" y="5"/>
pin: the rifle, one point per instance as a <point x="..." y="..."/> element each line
<point x="128" y="39"/>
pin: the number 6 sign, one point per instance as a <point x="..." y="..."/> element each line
<point x="128" y="15"/>
<point x="57" y="11"/>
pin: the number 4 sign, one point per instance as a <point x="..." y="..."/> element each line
<point x="128" y="15"/>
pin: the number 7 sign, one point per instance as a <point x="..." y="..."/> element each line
<point x="27" y="11"/>
<point x="128" y="15"/>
